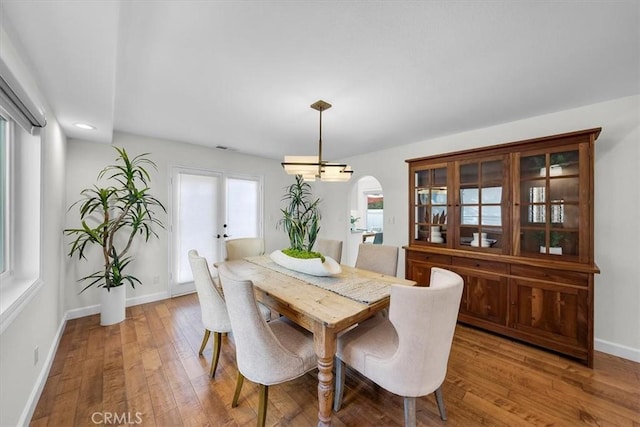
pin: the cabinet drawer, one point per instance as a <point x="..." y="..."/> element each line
<point x="429" y="257"/>
<point x="479" y="264"/>
<point x="555" y="276"/>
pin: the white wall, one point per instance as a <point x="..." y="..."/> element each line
<point x="86" y="159"/>
<point x="617" y="203"/>
<point x="39" y="319"/>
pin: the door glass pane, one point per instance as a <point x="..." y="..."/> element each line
<point x="243" y="208"/>
<point x="439" y="196"/>
<point x="564" y="163"/>
<point x="422" y="214"/>
<point x="422" y="178"/>
<point x="440" y="177"/>
<point x="470" y="215"/>
<point x="421" y="232"/>
<point x="469" y="173"/>
<point x="481" y="203"/>
<point x="532" y="166"/>
<point x="430" y="205"/>
<point x="492" y="171"/>
<point x="491" y="215"/>
<point x="422" y="196"/>
<point x="469" y="196"/>
<point x="197" y="221"/>
<point x="492" y="195"/>
<point x="566" y="189"/>
<point x="533" y="214"/>
<point x="550" y="198"/>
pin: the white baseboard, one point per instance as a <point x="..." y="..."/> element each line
<point x="34" y="397"/>
<point x="619" y="350"/>
<point x="95" y="309"/>
<point x="30" y="407"/>
<point x="32" y="402"/>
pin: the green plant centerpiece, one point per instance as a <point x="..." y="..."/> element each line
<point x="301" y="221"/>
<point x="112" y="216"/>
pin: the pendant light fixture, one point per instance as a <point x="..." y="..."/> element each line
<point x="312" y="167"/>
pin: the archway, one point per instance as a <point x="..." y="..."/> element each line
<point x="366" y="214"/>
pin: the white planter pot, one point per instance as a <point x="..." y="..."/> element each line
<point x="112" y="305"/>
<point x="313" y="266"/>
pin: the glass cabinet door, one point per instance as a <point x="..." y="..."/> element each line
<point x="550" y="204"/>
<point x="430" y="205"/>
<point x="480" y="203"/>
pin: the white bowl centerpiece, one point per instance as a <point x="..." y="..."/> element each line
<point x="316" y="266"/>
<point x="301" y="221"/>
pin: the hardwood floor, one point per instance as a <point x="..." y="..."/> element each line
<point x="146" y="371"/>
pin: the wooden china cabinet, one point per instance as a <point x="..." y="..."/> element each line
<point x="516" y="222"/>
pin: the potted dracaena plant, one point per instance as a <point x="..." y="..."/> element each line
<point x="301" y="221"/>
<point x="112" y="217"/>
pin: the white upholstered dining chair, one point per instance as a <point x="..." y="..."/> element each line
<point x="214" y="311"/>
<point x="408" y="352"/>
<point x="381" y="259"/>
<point x="266" y="353"/>
<point x="212" y="305"/>
<point x="329" y="247"/>
<point x="244" y="247"/>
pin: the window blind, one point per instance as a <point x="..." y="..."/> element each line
<point x="17" y="103"/>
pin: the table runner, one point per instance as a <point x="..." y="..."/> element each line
<point x="364" y="290"/>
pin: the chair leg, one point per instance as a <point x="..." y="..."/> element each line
<point x="262" y="408"/>
<point x="217" y="343"/>
<point x="409" y="412"/>
<point x="340" y="374"/>
<point x="440" y="402"/>
<point x="204" y="340"/>
<point x="236" y="395"/>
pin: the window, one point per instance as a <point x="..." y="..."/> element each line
<point x="375" y="203"/>
<point x="21" y="217"/>
<point x="20" y="195"/>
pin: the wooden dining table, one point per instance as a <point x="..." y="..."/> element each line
<point x="321" y="311"/>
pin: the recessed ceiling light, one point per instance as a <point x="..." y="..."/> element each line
<point x="84" y="126"/>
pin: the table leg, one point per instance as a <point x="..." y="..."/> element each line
<point x="325" y="346"/>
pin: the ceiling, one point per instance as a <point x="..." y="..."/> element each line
<point x="243" y="74"/>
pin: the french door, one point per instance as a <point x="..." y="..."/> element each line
<point x="209" y="207"/>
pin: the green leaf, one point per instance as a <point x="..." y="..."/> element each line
<point x="124" y="207"/>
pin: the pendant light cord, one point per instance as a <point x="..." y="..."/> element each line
<point x="320" y="148"/>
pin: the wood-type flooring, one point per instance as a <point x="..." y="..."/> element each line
<point x="146" y="371"/>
